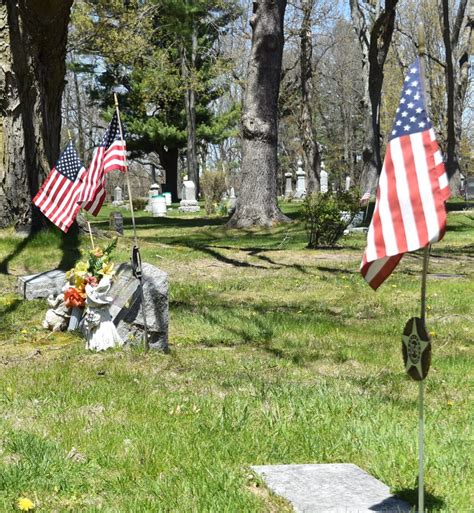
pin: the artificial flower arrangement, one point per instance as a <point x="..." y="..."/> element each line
<point x="91" y="272"/>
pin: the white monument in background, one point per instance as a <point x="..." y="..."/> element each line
<point x="300" y="181"/>
<point x="288" y="185"/>
<point x="188" y="201"/>
<point x="348" y="183"/>
<point x="323" y="179"/>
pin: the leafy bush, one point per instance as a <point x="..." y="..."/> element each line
<point x="213" y="185"/>
<point x="327" y="215"/>
<point x="139" y="203"/>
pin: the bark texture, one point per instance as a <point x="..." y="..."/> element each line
<point x="169" y="161"/>
<point x="257" y="201"/>
<point x="311" y="154"/>
<point x="374" y="39"/>
<point x="188" y="64"/>
<point x="457" y="43"/>
<point x="33" y="37"/>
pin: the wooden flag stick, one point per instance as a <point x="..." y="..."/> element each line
<point x="129" y="189"/>
<point x="85" y="213"/>
<point x="136" y="258"/>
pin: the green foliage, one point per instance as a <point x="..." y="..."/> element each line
<point x="213" y="185"/>
<point x="324" y="219"/>
<point x="139" y="203"/>
<point x="142" y="46"/>
<point x="276" y="357"/>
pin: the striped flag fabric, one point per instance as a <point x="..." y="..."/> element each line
<point x="57" y="198"/>
<point x="109" y="156"/>
<point x="413" y="186"/>
<point x="365" y="198"/>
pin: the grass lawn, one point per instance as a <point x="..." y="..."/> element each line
<point x="279" y="354"/>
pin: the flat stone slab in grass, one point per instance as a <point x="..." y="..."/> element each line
<point x="330" y="488"/>
<point x="41" y="284"/>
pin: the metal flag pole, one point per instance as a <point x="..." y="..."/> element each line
<point x="421" y="384"/>
<point x="421" y="391"/>
<point x="85" y="213"/>
<point x="136" y="258"/>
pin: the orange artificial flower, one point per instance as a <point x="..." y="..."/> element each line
<point x="74" y="297"/>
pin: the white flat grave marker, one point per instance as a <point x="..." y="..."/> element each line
<point x="330" y="488"/>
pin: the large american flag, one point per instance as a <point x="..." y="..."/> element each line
<point x="413" y="186"/>
<point x="110" y="155"/>
<point x="58" y="196"/>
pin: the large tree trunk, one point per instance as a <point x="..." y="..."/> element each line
<point x="169" y="161"/>
<point x="311" y="155"/>
<point x="457" y="44"/>
<point x="257" y="201"/>
<point x="374" y="39"/>
<point x="32" y="68"/>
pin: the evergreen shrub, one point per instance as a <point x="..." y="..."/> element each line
<point x="327" y="215"/>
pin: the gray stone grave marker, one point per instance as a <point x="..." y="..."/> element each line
<point x="126" y="308"/>
<point x="41" y="284"/>
<point x="330" y="488"/>
<point x="116" y="222"/>
<point x="188" y="202"/>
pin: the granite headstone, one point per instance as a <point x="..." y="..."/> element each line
<point x="126" y="309"/>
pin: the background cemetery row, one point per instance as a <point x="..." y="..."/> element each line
<point x="181" y="73"/>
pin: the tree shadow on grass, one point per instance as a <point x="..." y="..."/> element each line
<point x="16" y="251"/>
<point x="69" y="245"/>
<point x="410" y="495"/>
<point x="257" y="331"/>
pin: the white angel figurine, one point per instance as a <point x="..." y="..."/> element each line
<point x="97" y="324"/>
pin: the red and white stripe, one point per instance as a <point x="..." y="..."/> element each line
<point x="115" y="157"/>
<point x="409" y="210"/>
<point x="58" y="197"/>
<point x="94" y="177"/>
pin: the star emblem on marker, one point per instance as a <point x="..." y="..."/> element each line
<point x="415" y="342"/>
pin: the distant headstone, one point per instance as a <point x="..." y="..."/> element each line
<point x="330" y="488"/>
<point x="158" y="206"/>
<point x="348" y="183"/>
<point x="118" y="199"/>
<point x="116" y="222"/>
<point x="300" y="191"/>
<point x="188" y="194"/>
<point x="232" y="201"/>
<point x="323" y="179"/>
<point x="126" y="308"/>
<point x="154" y="191"/>
<point x="42" y="284"/>
<point x="470" y="188"/>
<point x="168" y="198"/>
<point x="355" y="225"/>
<point x="288" y="185"/>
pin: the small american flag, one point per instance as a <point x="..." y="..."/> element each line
<point x="58" y="196"/>
<point x="413" y="186"/>
<point x="365" y="198"/>
<point x="110" y="155"/>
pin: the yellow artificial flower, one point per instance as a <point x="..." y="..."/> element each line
<point x="25" y="504"/>
<point x="81" y="268"/>
<point x="97" y="252"/>
<point x="107" y="268"/>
